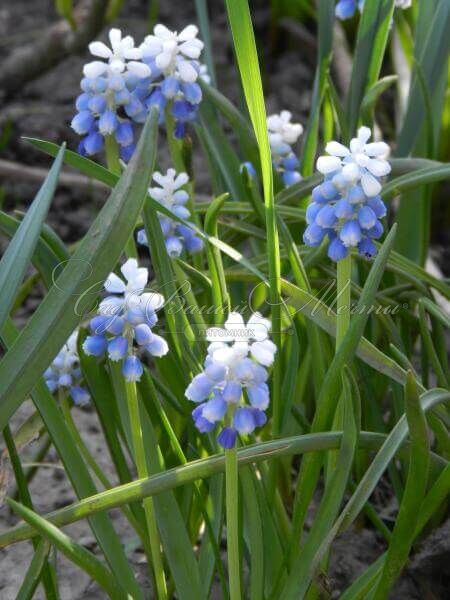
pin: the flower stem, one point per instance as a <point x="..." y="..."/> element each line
<point x="113" y="164"/>
<point x="343" y="297"/>
<point x="141" y="465"/>
<point x="232" y="510"/>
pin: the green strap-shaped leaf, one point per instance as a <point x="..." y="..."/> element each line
<point x="19" y="251"/>
<point x="59" y="312"/>
<point x="326" y="19"/>
<point x="84" y="559"/>
<point x="247" y="58"/>
<point x="371" y="43"/>
<point x="33" y="574"/>
<point x="203" y="468"/>
<point x="308" y="557"/>
<point x="77" y="472"/>
<point x="329" y="393"/>
<point x="415" y="488"/>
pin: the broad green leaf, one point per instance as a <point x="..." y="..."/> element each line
<point x="19" y="251"/>
<point x="95" y="257"/>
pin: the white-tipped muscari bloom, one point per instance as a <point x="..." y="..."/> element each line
<point x="174" y="52"/>
<point x="123" y="55"/>
<point x="282" y="135"/>
<point x="64" y="372"/>
<point x="127" y="315"/>
<point x="236" y="361"/>
<point x="282" y="132"/>
<point x="171" y="194"/>
<point x="361" y="162"/>
<point x="347" y="206"/>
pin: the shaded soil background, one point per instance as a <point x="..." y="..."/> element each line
<point x="44" y="109"/>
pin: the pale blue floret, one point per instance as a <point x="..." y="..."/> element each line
<point x="132" y="368"/>
<point x="117" y="348"/>
<point x="243" y="421"/>
<point x="227" y="438"/>
<point x="143" y="334"/>
<point x="95" y="345"/>
<point x="232" y="391"/>
<point x="258" y="396"/>
<point x="345" y="9"/>
<point x="199" y="388"/>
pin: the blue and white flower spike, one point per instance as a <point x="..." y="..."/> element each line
<point x="64" y="372"/>
<point x="108" y="87"/>
<point x="172" y="196"/>
<point x="174" y="57"/>
<point x="345" y="9"/>
<point x="232" y="388"/>
<point x="282" y="136"/>
<point x="347" y="206"/>
<point x="125" y="317"/>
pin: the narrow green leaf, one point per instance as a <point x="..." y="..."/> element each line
<point x="77" y="472"/>
<point x="247" y="58"/>
<point x="329" y="394"/>
<point x="415" y="488"/>
<point x="65" y="9"/>
<point x="84" y="559"/>
<point x="308" y="557"/>
<point x="33" y="574"/>
<point x="255" y="535"/>
<point x="203" y="468"/>
<point x="326" y="19"/>
<point x="371" y="43"/>
<point x="18" y="253"/>
<point x="44" y="259"/>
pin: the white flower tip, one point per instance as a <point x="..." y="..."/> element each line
<point x="328" y="164"/>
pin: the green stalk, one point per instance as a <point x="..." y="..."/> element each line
<point x="343" y="298"/>
<point x="113" y="163"/>
<point x="141" y="465"/>
<point x="232" y="511"/>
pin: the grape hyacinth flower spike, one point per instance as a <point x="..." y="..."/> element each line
<point x="232" y="389"/>
<point x="108" y="86"/>
<point x="125" y="317"/>
<point x="173" y="57"/>
<point x="283" y="134"/>
<point x="347" y="206"/>
<point x="64" y="372"/>
<point x="172" y="196"/>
